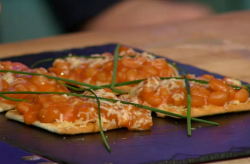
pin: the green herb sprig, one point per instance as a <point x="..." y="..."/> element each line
<point x="100" y="120"/>
<point x="178" y="68"/>
<point x="188" y="106"/>
<point x="115" y="66"/>
<point x="12" y="99"/>
<point x="56" y="78"/>
<point x="72" y="87"/>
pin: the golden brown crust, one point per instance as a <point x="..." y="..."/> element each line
<point x="5" y="107"/>
<point x="58" y="128"/>
<point x="207" y="110"/>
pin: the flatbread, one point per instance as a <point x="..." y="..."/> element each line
<point x="84" y="114"/>
<point x="5" y="107"/>
<point x="63" y="128"/>
<point x="207" y="110"/>
<point x="170" y="85"/>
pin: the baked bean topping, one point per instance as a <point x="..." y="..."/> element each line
<point x="20" y="82"/>
<point x="50" y="108"/>
<point x="156" y="92"/>
<point x="131" y="66"/>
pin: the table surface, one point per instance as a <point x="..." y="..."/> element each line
<point x="219" y="44"/>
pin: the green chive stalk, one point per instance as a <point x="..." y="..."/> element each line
<point x="116" y="54"/>
<point x="100" y="120"/>
<point x="188" y="106"/>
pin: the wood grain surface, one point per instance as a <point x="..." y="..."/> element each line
<point x="220" y="44"/>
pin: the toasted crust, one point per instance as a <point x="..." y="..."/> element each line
<point x="5" y="107"/>
<point x="59" y="128"/>
<point x="207" y="110"/>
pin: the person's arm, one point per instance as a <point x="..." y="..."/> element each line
<point x="118" y="14"/>
<point x="137" y="13"/>
<point x="73" y="14"/>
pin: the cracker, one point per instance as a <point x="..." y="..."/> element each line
<point x="64" y="127"/>
<point x="207" y="110"/>
<point x="5" y="107"/>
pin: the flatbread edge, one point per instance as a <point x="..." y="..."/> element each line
<point x="5" y="107"/>
<point x="57" y="128"/>
<point x="207" y="110"/>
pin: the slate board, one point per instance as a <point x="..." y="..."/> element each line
<point x="167" y="141"/>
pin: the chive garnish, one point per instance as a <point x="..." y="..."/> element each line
<point x="94" y="87"/>
<point x="56" y="78"/>
<point x="116" y="53"/>
<point x="246" y="85"/>
<point x="111" y="100"/>
<point x="100" y="120"/>
<point x="238" y="87"/>
<point x="72" y="87"/>
<point x="178" y="68"/>
<point x="118" y="91"/>
<point x="41" y="61"/>
<point x="167" y="78"/>
<point x="162" y="78"/>
<point x="188" y="106"/>
<point x="12" y="99"/>
<point x="105" y="86"/>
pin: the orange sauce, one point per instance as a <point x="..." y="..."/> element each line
<point x="48" y="108"/>
<point x="130" y="67"/>
<point x="216" y="93"/>
<point x="27" y="82"/>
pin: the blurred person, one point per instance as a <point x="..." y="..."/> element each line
<point x="78" y="15"/>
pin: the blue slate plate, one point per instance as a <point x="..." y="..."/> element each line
<point x="167" y="141"/>
<point x="11" y="154"/>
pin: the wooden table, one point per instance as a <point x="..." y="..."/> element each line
<point x="219" y="44"/>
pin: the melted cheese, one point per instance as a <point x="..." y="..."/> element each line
<point x="8" y="77"/>
<point x="77" y="61"/>
<point x="171" y="84"/>
<point x="66" y="96"/>
<point x="234" y="102"/>
<point x="178" y="96"/>
<point x="147" y="55"/>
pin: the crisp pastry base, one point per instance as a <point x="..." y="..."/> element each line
<point x="5" y="107"/>
<point x="207" y="110"/>
<point x="62" y="128"/>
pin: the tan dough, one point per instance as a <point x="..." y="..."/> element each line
<point x="207" y="110"/>
<point x="5" y="107"/>
<point x="62" y="128"/>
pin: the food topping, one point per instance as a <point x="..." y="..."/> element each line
<point x="156" y="92"/>
<point x="50" y="108"/>
<point x="17" y="82"/>
<point x="131" y="66"/>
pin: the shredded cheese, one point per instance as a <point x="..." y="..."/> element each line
<point x="8" y="77"/>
